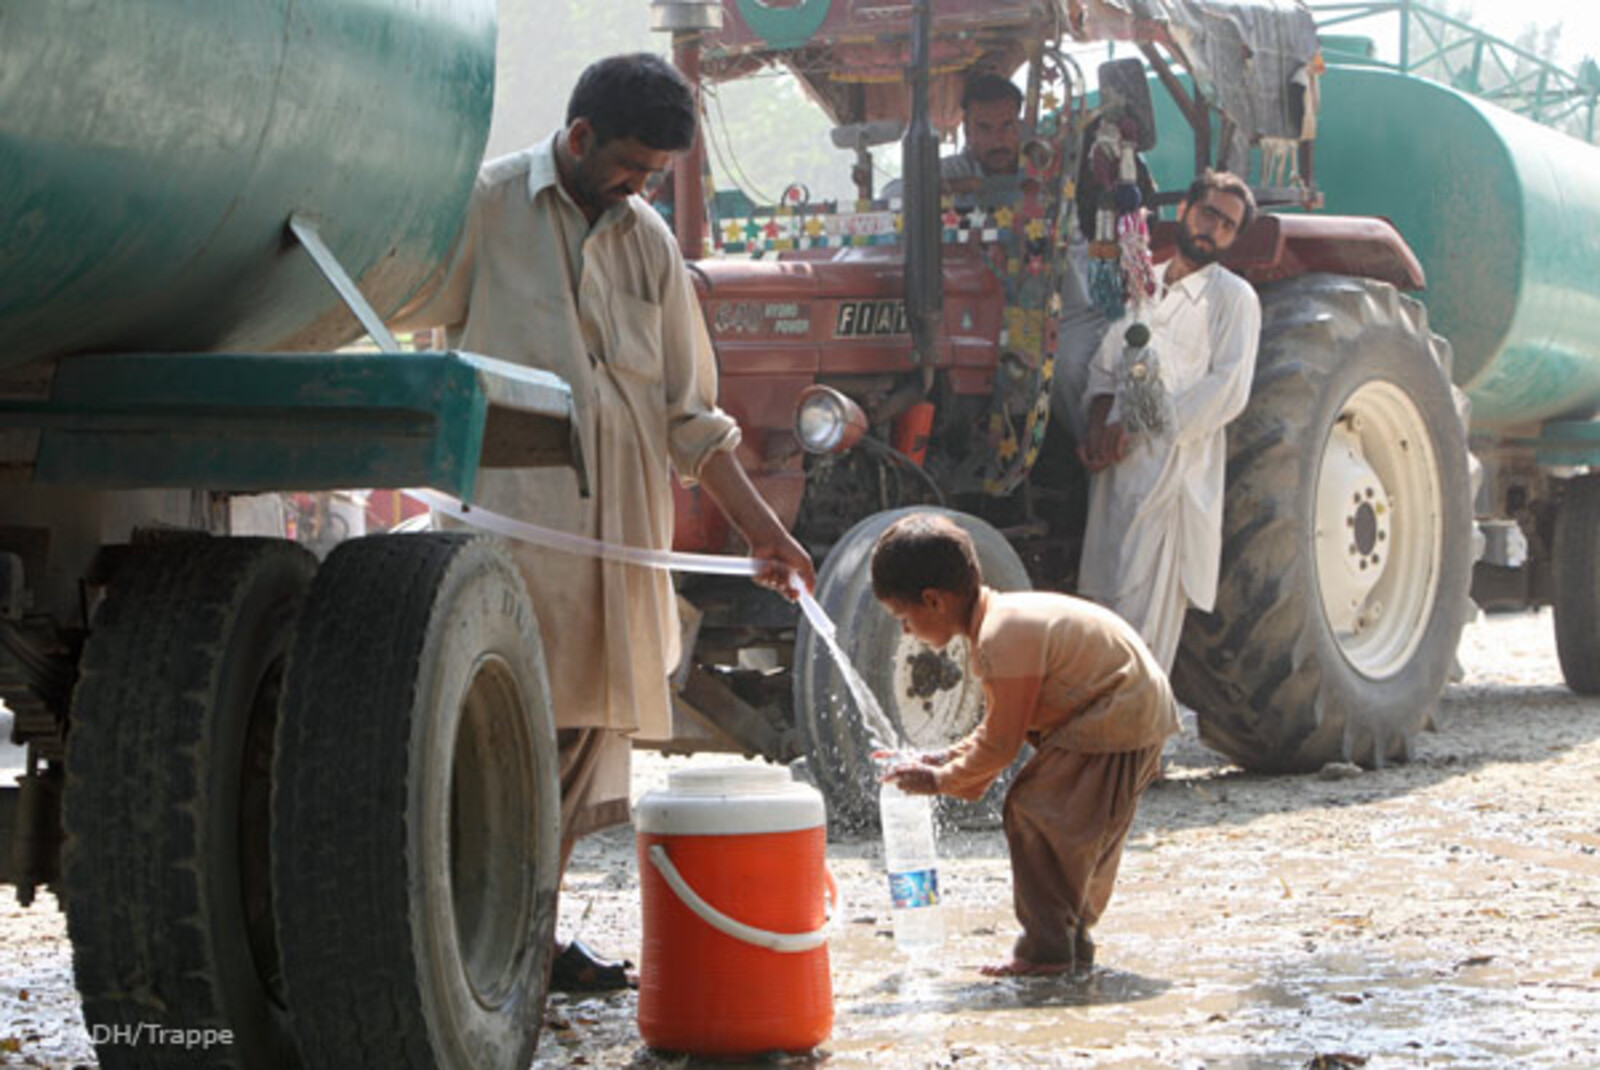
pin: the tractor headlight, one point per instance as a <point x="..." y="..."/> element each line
<point x="826" y="421"/>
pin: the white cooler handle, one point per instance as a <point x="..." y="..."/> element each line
<point x="785" y="942"/>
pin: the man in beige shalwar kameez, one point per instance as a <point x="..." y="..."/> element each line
<point x="561" y="266"/>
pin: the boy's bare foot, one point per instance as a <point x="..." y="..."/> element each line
<point x="1023" y="968"/>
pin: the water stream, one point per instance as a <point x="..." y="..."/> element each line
<point x="882" y="732"/>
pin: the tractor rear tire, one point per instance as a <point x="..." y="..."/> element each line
<point x="928" y="696"/>
<point x="1346" y="552"/>
<point x="1577" y="583"/>
<point x="417" y="812"/>
<point x="165" y="870"/>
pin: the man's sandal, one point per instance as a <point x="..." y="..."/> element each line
<point x="578" y="969"/>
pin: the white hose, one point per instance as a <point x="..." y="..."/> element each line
<point x="710" y="564"/>
<point x="788" y="943"/>
<point x="707" y="564"/>
<point x="878" y="727"/>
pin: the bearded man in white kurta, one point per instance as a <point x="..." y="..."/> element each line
<point x="561" y="266"/>
<point x="1153" y="544"/>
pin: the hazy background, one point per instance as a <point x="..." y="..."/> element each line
<point x="778" y="135"/>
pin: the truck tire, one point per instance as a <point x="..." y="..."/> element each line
<point x="1346" y="553"/>
<point x="1577" y="583"/>
<point x="928" y="696"/>
<point x="165" y="872"/>
<point x="416" y="815"/>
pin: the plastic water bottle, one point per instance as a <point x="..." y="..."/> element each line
<point x="911" y="855"/>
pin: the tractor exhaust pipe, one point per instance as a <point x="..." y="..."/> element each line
<point x="688" y="21"/>
<point x="920" y="166"/>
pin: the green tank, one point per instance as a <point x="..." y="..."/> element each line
<point x="153" y="151"/>
<point x="1504" y="215"/>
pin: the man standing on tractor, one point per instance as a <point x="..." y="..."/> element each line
<point x="562" y="266"/>
<point x="1153" y="544"/>
<point x="991" y="127"/>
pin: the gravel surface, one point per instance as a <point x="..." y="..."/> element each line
<point x="1445" y="913"/>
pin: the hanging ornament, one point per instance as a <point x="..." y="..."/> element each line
<point x="1121" y="272"/>
<point x="1142" y="396"/>
<point x="1107" y="284"/>
<point x="1138" y="269"/>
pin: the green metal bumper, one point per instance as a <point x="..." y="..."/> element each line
<point x="251" y="422"/>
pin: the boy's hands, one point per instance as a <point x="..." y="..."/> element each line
<point x="900" y="758"/>
<point x="914" y="779"/>
<point x="914" y="774"/>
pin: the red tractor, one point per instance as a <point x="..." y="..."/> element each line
<point x="919" y="353"/>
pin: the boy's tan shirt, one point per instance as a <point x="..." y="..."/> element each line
<point x="1057" y="671"/>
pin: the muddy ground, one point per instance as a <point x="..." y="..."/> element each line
<point x="1441" y="914"/>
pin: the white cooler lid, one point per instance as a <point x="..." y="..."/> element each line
<point x="730" y="800"/>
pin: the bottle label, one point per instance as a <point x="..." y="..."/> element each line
<point x="917" y="888"/>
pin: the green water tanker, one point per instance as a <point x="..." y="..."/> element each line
<point x="243" y="764"/>
<point x="1504" y="215"/>
<point x="154" y="151"/>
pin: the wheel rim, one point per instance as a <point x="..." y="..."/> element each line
<point x="1379" y="529"/>
<point x="493" y="806"/>
<point x="936" y="700"/>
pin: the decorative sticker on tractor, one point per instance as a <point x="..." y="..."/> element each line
<point x="759" y="319"/>
<point x="1029" y="256"/>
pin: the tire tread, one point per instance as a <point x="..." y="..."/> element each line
<point x="136" y="852"/>
<point x="1577" y="584"/>
<point x="1254" y="667"/>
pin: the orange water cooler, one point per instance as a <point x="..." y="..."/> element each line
<point x="733" y="872"/>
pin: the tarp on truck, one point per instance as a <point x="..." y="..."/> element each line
<point x="1248" y="55"/>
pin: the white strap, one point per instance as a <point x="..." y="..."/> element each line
<point x="784" y="942"/>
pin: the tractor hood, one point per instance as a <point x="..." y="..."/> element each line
<point x="844" y="314"/>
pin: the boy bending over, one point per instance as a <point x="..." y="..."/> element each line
<point x="1069" y="677"/>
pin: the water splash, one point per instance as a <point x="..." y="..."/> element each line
<point x="882" y="733"/>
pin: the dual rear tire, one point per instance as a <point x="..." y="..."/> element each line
<point x="319" y="818"/>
